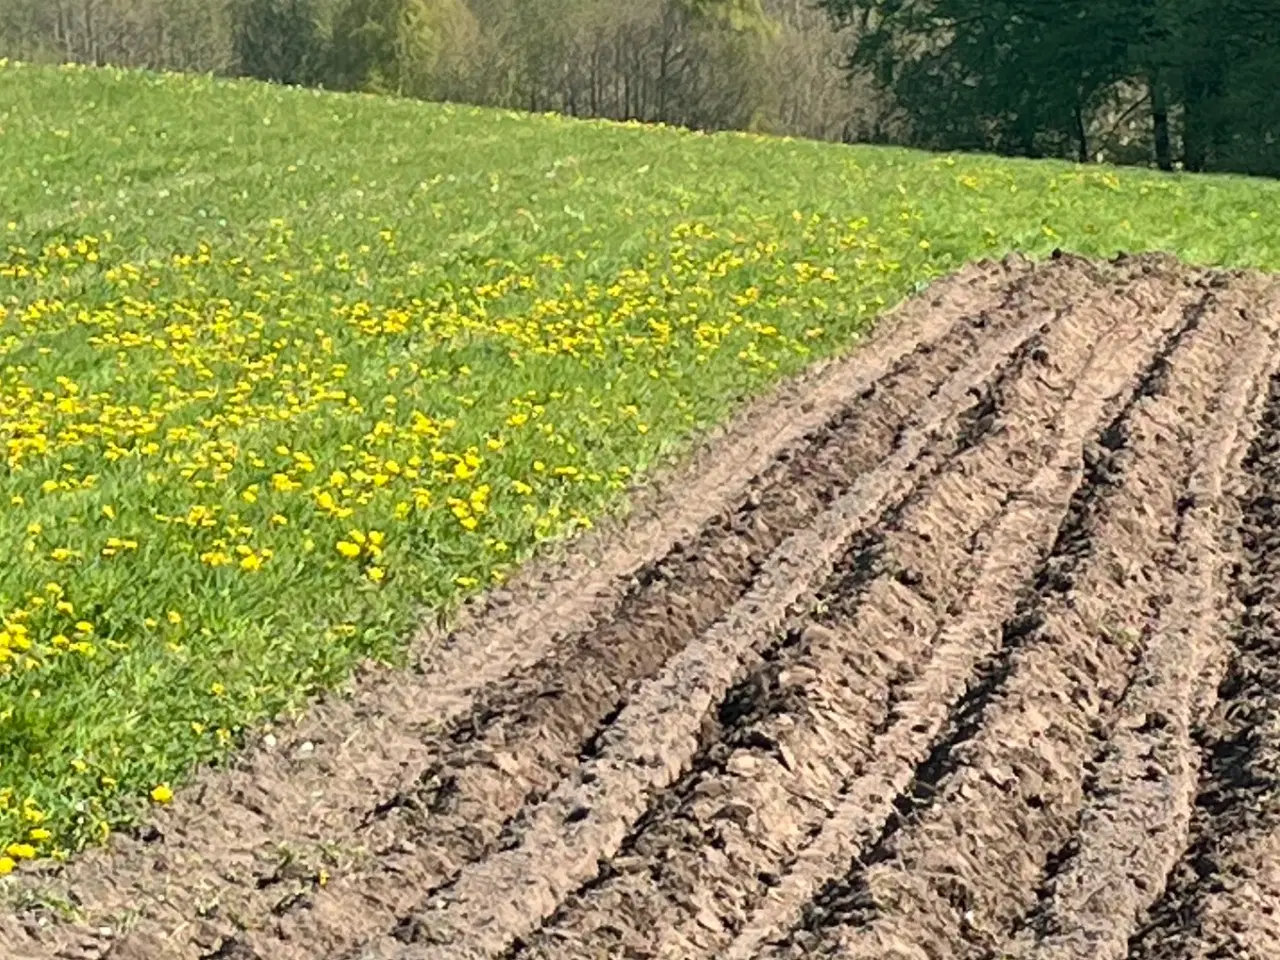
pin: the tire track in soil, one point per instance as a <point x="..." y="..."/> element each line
<point x="956" y="866"/>
<point x="558" y="842"/>
<point x="801" y="726"/>
<point x="243" y="832"/>
<point x="1223" y="896"/>
<point x="527" y="735"/>
<point x="1140" y="795"/>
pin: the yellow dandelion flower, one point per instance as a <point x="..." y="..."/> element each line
<point x="84" y="626"/>
<point x="376" y="574"/>
<point x="174" y="617"/>
<point x="162" y="793"/>
<point x="7" y="866"/>
<point x="21" y="851"/>
<point x="348" y="549"/>
<point x="32" y="813"/>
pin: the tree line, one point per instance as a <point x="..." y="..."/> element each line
<point x="1191" y="84"/>
<point x="768" y="65"/>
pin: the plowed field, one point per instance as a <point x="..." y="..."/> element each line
<point x="962" y="647"/>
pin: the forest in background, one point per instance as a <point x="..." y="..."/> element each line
<point x="1191" y="84"/>
<point x="1187" y="83"/>
<point x="774" y="66"/>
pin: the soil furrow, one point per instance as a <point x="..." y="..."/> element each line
<point x="1051" y="501"/>
<point x="655" y="735"/>
<point x="1223" y="896"/>
<point x="689" y="879"/>
<point x="957" y="867"/>
<point x="1139" y="801"/>
<point x="208" y="867"/>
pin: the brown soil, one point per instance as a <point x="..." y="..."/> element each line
<point x="966" y="645"/>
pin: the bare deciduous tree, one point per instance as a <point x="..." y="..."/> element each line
<point x="769" y="65"/>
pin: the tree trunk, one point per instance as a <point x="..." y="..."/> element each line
<point x="1203" y="132"/>
<point x="1193" y="139"/>
<point x="1082" y="135"/>
<point x="664" y="65"/>
<point x="1160" y="121"/>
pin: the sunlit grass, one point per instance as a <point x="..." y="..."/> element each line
<point x="281" y="370"/>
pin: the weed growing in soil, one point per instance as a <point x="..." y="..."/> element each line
<point x="280" y="369"/>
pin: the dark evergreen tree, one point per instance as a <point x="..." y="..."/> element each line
<point x="1028" y="77"/>
<point x="277" y="40"/>
<point x="363" y="51"/>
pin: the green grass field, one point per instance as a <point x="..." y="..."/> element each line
<point x="281" y="371"/>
